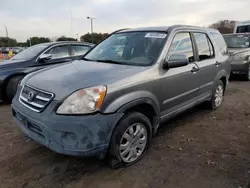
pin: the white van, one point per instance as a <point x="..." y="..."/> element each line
<point x="242" y="27"/>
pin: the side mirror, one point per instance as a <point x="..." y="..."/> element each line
<point x="176" y="60"/>
<point x="45" y="57"/>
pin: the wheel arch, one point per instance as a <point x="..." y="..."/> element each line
<point x="6" y="81"/>
<point x="145" y="106"/>
<point x="138" y="100"/>
<point x="223" y="76"/>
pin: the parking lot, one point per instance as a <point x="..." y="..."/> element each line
<point x="197" y="149"/>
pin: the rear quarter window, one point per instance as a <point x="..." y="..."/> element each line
<point x="220" y="42"/>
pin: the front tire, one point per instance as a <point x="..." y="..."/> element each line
<point x="11" y="87"/>
<point x="247" y="73"/>
<point x="217" y="96"/>
<point x="130" y="140"/>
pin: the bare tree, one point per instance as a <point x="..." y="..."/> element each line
<point x="224" y="26"/>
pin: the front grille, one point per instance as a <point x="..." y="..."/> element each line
<point x="34" y="98"/>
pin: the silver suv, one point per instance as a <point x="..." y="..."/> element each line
<point x="111" y="103"/>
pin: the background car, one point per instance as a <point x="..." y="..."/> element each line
<point x="242" y="27"/>
<point x="35" y="58"/>
<point x="239" y="49"/>
<point x="16" y="50"/>
<point x="5" y="49"/>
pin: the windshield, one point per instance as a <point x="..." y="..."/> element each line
<point x="132" y="48"/>
<point x="237" y="41"/>
<point x="30" y="52"/>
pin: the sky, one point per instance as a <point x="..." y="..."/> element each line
<point x="54" y="18"/>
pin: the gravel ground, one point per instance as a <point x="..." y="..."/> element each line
<point x="197" y="149"/>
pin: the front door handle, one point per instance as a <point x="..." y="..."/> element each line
<point x="217" y="63"/>
<point x="194" y="69"/>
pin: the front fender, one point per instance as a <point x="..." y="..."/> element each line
<point x="222" y="73"/>
<point x="131" y="99"/>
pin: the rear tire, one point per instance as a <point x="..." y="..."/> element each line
<point x="130" y="140"/>
<point x="247" y="73"/>
<point x="11" y="87"/>
<point x="217" y="96"/>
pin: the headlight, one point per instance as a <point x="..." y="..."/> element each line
<point x="83" y="101"/>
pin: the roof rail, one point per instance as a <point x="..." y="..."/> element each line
<point x="118" y="31"/>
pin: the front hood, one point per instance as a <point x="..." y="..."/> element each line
<point x="65" y="79"/>
<point x="10" y="63"/>
<point x="233" y="51"/>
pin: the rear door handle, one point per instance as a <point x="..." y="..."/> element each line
<point x="195" y="69"/>
<point x="217" y="63"/>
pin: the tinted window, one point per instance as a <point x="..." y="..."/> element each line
<point x="220" y="42"/>
<point x="134" y="48"/>
<point x="243" y="29"/>
<point x="237" y="41"/>
<point x="30" y="52"/>
<point x="79" y="49"/>
<point x="204" y="50"/>
<point x="182" y="44"/>
<point x="59" y="52"/>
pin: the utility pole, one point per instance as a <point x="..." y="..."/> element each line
<point x="6" y="29"/>
<point x="7" y="35"/>
<point x="91" y="25"/>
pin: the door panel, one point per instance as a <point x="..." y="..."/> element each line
<point x="206" y="63"/>
<point x="179" y="85"/>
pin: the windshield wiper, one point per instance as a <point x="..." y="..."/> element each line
<point x="108" y="61"/>
<point x="85" y="59"/>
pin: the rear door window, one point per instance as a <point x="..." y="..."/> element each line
<point x="205" y="48"/>
<point x="79" y="49"/>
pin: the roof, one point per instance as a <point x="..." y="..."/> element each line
<point x="157" y="28"/>
<point x="164" y="28"/>
<point x="236" y="34"/>
<point x="239" y="23"/>
<point x="65" y="42"/>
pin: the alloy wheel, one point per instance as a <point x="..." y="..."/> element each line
<point x="133" y="142"/>
<point x="218" y="95"/>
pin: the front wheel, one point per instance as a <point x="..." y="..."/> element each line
<point x="247" y="73"/>
<point x="11" y="87"/>
<point x="130" y="140"/>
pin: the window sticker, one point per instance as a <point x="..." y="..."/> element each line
<point x="156" y="35"/>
